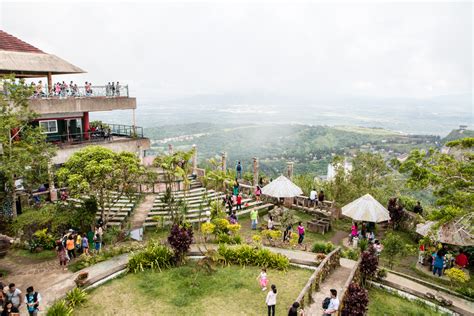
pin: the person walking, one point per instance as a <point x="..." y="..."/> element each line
<point x="294" y="310"/>
<point x="313" y="197"/>
<point x="438" y="263"/>
<point x="70" y="247"/>
<point x="262" y="279"/>
<point x="62" y="255"/>
<point x="238" y="168"/>
<point x="300" y="233"/>
<point x="85" y="244"/>
<point x="32" y="300"/>
<point x="254" y="218"/>
<point x="333" y="305"/>
<point x="258" y="192"/>
<point x="239" y="201"/>
<point x="271" y="300"/>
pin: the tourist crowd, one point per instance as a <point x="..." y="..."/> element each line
<point x="441" y="258"/>
<point x="64" y="90"/>
<point x="12" y="299"/>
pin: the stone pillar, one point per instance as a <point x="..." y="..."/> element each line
<point x="170" y="149"/>
<point x="85" y="123"/>
<point x="289" y="170"/>
<point x="255" y="171"/>
<point x="195" y="159"/>
<point x="50" y="82"/>
<point x="224" y="161"/>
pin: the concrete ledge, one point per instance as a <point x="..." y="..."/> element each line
<point x="78" y="105"/>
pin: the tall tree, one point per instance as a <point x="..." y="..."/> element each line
<point x="24" y="153"/>
<point x="101" y="173"/>
<point x="450" y="176"/>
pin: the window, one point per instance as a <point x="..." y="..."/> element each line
<point x="49" y="127"/>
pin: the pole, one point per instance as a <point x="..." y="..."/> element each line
<point x="255" y="171"/>
<point x="195" y="159"/>
<point x="224" y="161"/>
<point x="290" y="169"/>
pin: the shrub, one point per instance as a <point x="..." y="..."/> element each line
<point x="323" y="247"/>
<point x="76" y="297"/>
<point x="112" y="235"/>
<point x="350" y="253"/>
<point x="467" y="291"/>
<point x="272" y="234"/>
<point x="356" y="301"/>
<point x="381" y="274"/>
<point x="368" y="265"/>
<point x="233" y="228"/>
<point x="393" y="248"/>
<point x="246" y="255"/>
<point x="223" y="238"/>
<point x="457" y="275"/>
<point x="153" y="256"/>
<point x="59" y="308"/>
<point x="257" y="239"/>
<point x="41" y="239"/>
<point x="221" y="225"/>
<point x="208" y="228"/>
<point x="363" y="244"/>
<point x="180" y="239"/>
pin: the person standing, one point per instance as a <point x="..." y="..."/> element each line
<point x="238" y="168"/>
<point x="70" y="246"/>
<point x="239" y="202"/>
<point x="262" y="279"/>
<point x="117" y="89"/>
<point x="294" y="310"/>
<point x="9" y="310"/>
<point x="62" y="255"/>
<point x="312" y="197"/>
<point x="254" y="218"/>
<point x="271" y="300"/>
<point x="333" y="304"/>
<point x="112" y="88"/>
<point x="300" y="233"/>
<point x="461" y="260"/>
<point x="79" y="248"/>
<point x="32" y="300"/>
<point x="13" y="295"/>
<point x="85" y="244"/>
<point x="438" y="263"/>
<point x="270" y="222"/>
<point x="258" y="192"/>
<point x="235" y="188"/>
<point x="321" y="197"/>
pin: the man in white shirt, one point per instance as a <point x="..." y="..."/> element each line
<point x="14" y="295"/>
<point x="312" y="197"/>
<point x="333" y="304"/>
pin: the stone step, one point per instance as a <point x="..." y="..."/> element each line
<point x="196" y="211"/>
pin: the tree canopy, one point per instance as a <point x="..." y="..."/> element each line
<point x="99" y="172"/>
<point x="24" y="152"/>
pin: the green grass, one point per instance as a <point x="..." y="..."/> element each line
<point x="187" y="290"/>
<point x="40" y="256"/>
<point x="386" y="304"/>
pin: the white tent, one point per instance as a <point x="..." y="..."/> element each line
<point x="282" y="187"/>
<point x="366" y="209"/>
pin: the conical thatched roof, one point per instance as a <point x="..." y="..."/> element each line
<point x="366" y="209"/>
<point x="282" y="187"/>
<point x="452" y="233"/>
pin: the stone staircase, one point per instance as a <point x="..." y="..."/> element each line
<point x="197" y="200"/>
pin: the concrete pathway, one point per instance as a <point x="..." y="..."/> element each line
<point x="141" y="212"/>
<point x="336" y="280"/>
<point x="96" y="273"/>
<point x="402" y="283"/>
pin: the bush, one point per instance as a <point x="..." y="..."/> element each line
<point x="363" y="244"/>
<point x="394" y="247"/>
<point x="271" y="234"/>
<point x="59" y="308"/>
<point x="257" y="239"/>
<point x="381" y="274"/>
<point x="369" y="264"/>
<point x="467" y="291"/>
<point x="233" y="228"/>
<point x="221" y="225"/>
<point x="41" y="239"/>
<point x="76" y="297"/>
<point x="180" y="239"/>
<point x="246" y="255"/>
<point x="322" y="247"/>
<point x="356" y="301"/>
<point x="112" y="235"/>
<point x="153" y="256"/>
<point x="350" y="253"/>
<point x="223" y="238"/>
<point x="457" y="275"/>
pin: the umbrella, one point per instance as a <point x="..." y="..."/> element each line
<point x="282" y="187"/>
<point x="452" y="233"/>
<point x="366" y="209"/>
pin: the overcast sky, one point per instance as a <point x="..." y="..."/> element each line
<point x="178" y="49"/>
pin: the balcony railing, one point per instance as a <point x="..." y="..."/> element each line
<point x="82" y="92"/>
<point x="97" y="135"/>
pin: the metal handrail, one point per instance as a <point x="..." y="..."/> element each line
<point x="82" y="92"/>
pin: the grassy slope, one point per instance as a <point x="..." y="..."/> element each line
<point x="383" y="303"/>
<point x="184" y="291"/>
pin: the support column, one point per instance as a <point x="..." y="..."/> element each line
<point x="53" y="194"/>
<point x="170" y="149"/>
<point x="86" y="125"/>
<point x="290" y="170"/>
<point x="134" y="123"/>
<point x="50" y="82"/>
<point x="224" y="161"/>
<point x="195" y="159"/>
<point x="255" y="171"/>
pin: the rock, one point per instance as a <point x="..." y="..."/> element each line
<point x="5" y="244"/>
<point x="430" y="295"/>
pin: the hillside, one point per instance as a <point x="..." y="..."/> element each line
<point x="310" y="147"/>
<point x="457" y="134"/>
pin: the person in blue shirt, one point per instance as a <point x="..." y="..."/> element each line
<point x="438" y="263"/>
<point x="238" y="168"/>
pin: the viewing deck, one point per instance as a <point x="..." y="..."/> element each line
<point x="99" y="98"/>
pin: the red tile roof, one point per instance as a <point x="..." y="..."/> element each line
<point x="11" y="43"/>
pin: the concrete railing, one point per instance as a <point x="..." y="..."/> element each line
<point x="354" y="276"/>
<point x="329" y="263"/>
<point x="200" y="172"/>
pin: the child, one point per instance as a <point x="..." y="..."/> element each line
<point x="300" y="233"/>
<point x="85" y="244"/>
<point x="262" y="277"/>
<point x="271" y="300"/>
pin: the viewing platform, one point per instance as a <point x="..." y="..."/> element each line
<point x="98" y="99"/>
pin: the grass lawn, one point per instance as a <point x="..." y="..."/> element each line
<point x="187" y="290"/>
<point x="39" y="256"/>
<point x="384" y="303"/>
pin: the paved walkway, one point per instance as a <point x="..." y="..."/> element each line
<point x="336" y="280"/>
<point x="141" y="212"/>
<point x="412" y="285"/>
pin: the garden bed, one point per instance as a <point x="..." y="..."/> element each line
<point x="186" y="290"/>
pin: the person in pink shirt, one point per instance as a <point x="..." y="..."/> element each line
<point x="300" y="233"/>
